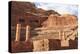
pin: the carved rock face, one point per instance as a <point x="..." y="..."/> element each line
<point x="60" y="21"/>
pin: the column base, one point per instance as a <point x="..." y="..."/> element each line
<point x="64" y="43"/>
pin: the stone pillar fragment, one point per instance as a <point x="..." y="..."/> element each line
<point x="64" y="43"/>
<point x="41" y="45"/>
<point x="73" y="35"/>
<point x="46" y="44"/>
<point x="18" y="27"/>
<point x="37" y="45"/>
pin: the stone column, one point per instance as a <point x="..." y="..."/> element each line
<point x="59" y="35"/>
<point x="18" y="27"/>
<point x="64" y="43"/>
<point x="63" y="35"/>
<point x="27" y="32"/>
